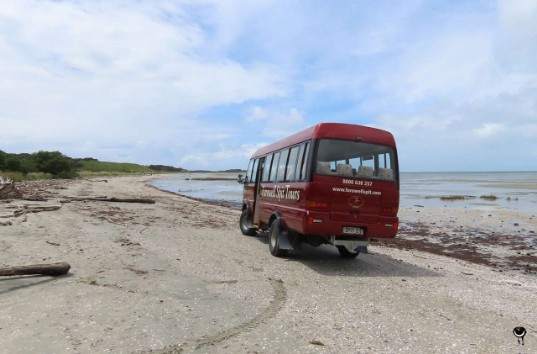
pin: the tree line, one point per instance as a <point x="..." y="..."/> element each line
<point x="52" y="162"/>
<point x="59" y="165"/>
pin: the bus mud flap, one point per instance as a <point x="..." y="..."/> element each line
<point x="361" y="249"/>
<point x="283" y="241"/>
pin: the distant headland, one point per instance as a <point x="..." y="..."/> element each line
<point x="54" y="164"/>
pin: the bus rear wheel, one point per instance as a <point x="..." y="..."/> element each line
<point x="274" y="239"/>
<point x="245" y="224"/>
<point x="345" y="253"/>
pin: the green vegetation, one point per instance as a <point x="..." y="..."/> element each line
<point x="19" y="176"/>
<point x="44" y="164"/>
<point x="163" y="168"/>
<point x="47" y="164"/>
<point x="94" y="166"/>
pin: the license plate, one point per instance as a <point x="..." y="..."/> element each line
<point x="353" y="230"/>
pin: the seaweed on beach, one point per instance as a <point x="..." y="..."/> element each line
<point x="451" y="198"/>
<point x="471" y="245"/>
<point x="490" y="197"/>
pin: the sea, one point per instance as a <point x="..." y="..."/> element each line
<point x="456" y="190"/>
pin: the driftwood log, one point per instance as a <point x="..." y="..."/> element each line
<point x="35" y="209"/>
<point x="113" y="200"/>
<point x="60" y="268"/>
<point x="9" y="191"/>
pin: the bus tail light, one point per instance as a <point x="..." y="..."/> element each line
<point x="390" y="210"/>
<point x="311" y="204"/>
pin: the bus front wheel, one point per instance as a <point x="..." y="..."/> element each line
<point x="274" y="239"/>
<point x="345" y="253"/>
<point x="246" y="224"/>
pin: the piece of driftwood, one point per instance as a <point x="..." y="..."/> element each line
<point x="35" y="198"/>
<point x="35" y="209"/>
<point x="60" y="268"/>
<point x="9" y="191"/>
<point x="130" y="200"/>
<point x="114" y="200"/>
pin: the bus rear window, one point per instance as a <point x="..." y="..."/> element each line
<point x="355" y="159"/>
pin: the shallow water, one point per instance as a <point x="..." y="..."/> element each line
<point x="514" y="190"/>
<point x="225" y="190"/>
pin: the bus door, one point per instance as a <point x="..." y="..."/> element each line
<point x="257" y="190"/>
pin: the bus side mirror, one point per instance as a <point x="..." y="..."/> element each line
<point x="240" y="179"/>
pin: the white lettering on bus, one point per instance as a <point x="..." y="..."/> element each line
<point x="357" y="182"/>
<point x="280" y="192"/>
<point x="356" y="191"/>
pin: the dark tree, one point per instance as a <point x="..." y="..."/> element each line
<point x="55" y="163"/>
<point x="3" y="157"/>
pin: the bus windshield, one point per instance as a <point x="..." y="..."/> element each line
<point x="347" y="158"/>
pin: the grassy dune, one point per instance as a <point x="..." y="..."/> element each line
<point x="98" y="168"/>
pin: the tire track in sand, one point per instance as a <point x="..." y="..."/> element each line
<point x="280" y="296"/>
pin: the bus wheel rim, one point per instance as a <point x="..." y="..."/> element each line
<point x="273" y="238"/>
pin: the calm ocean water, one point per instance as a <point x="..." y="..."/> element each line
<point x="513" y="190"/>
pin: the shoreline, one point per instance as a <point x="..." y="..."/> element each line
<point x="178" y="276"/>
<point x="223" y="203"/>
<point x="435" y="190"/>
<point x="467" y="241"/>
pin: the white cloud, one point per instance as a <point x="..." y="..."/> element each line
<point x="277" y="124"/>
<point x="488" y="130"/>
<point x="224" y="155"/>
<point x="114" y="71"/>
<point x="517" y="34"/>
<point x="203" y="83"/>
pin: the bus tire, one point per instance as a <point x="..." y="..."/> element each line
<point x="345" y="253"/>
<point x="245" y="224"/>
<point x="274" y="239"/>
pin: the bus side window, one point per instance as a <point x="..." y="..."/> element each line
<point x="253" y="175"/>
<point x="302" y="162"/>
<point x="249" y="171"/>
<point x="303" y="170"/>
<point x="282" y="164"/>
<point x="299" y="162"/>
<point x="291" y="164"/>
<point x="367" y="167"/>
<point x="274" y="168"/>
<point x="385" y="170"/>
<point x="266" y="168"/>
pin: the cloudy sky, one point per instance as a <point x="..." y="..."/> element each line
<point x="200" y="84"/>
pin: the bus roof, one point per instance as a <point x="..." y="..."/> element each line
<point x="332" y="130"/>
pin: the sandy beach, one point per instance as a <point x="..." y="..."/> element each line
<point x="178" y="276"/>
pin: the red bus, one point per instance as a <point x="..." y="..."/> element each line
<point x="332" y="184"/>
